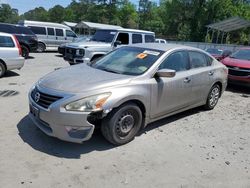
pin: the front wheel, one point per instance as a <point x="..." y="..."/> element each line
<point x="122" y="124"/>
<point x="2" y="69"/>
<point x="41" y="47"/>
<point x="25" y="52"/>
<point x="213" y="97"/>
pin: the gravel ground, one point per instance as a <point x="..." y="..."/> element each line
<point x="193" y="149"/>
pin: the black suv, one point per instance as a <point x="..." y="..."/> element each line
<point x="26" y="38"/>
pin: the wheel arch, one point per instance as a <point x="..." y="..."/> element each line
<point x="2" y="61"/>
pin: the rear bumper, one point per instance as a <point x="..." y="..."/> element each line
<point x="67" y="126"/>
<point x="16" y="63"/>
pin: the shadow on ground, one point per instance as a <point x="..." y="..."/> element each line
<point x="30" y="57"/>
<point x="238" y="89"/>
<point x="31" y="135"/>
<point x="11" y="74"/>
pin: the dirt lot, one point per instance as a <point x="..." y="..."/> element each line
<point x="193" y="149"/>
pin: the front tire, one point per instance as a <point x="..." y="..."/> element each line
<point x="213" y="97"/>
<point x="122" y="124"/>
<point x="41" y="47"/>
<point x="2" y="69"/>
<point x="25" y="52"/>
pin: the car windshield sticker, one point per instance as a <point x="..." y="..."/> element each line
<point x="151" y="52"/>
<point x="141" y="56"/>
<point x="112" y="33"/>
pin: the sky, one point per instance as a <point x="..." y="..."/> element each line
<point x="26" y="5"/>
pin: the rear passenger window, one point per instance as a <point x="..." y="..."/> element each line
<point x="136" y="38"/>
<point x="197" y="60"/>
<point x="123" y="37"/>
<point x="6" y="42"/>
<point x="149" y="38"/>
<point x="177" y="61"/>
<point x="38" y="30"/>
<point x="51" y="31"/>
<point x="59" y="32"/>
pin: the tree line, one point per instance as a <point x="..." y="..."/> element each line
<point x="170" y="19"/>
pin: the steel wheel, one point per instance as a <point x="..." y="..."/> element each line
<point x="40" y="47"/>
<point x="122" y="124"/>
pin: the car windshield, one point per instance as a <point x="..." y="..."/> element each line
<point x="128" y="60"/>
<point x="214" y="51"/>
<point x="104" y="36"/>
<point x="243" y="54"/>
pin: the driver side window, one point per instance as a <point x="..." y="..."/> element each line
<point x="177" y="61"/>
<point x="123" y="37"/>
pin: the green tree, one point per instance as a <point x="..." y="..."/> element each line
<point x="8" y="14"/>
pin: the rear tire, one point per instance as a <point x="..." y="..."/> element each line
<point x="25" y="52"/>
<point x="2" y="69"/>
<point x="122" y="124"/>
<point x="41" y="47"/>
<point x="213" y="97"/>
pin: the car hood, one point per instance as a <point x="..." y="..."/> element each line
<point x="236" y="62"/>
<point x="81" y="78"/>
<point x="87" y="44"/>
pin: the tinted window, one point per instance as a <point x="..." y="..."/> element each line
<point x="23" y="30"/>
<point x="51" y="31"/>
<point x="136" y="38"/>
<point x="123" y="37"/>
<point x="6" y="42"/>
<point x="177" y="61"/>
<point x="38" y="30"/>
<point x="59" y="32"/>
<point x="70" y="33"/>
<point x="7" y="28"/>
<point x="209" y="60"/>
<point x="214" y="51"/>
<point x="149" y="38"/>
<point x="197" y="60"/>
<point x="162" y="41"/>
<point x="104" y="36"/>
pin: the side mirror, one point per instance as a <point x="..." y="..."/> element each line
<point x="168" y="73"/>
<point x="117" y="43"/>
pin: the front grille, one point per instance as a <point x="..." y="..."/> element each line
<point x="71" y="51"/>
<point x="43" y="99"/>
<point x="236" y="71"/>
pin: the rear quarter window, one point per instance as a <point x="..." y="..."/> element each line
<point x="6" y="42"/>
<point x="197" y="59"/>
<point x="149" y="38"/>
<point x="136" y="38"/>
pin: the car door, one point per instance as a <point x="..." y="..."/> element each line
<point x="51" y="37"/>
<point x="171" y="94"/>
<point x="60" y="37"/>
<point x="70" y="36"/>
<point x="201" y="75"/>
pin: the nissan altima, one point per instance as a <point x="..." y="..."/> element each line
<point x="124" y="91"/>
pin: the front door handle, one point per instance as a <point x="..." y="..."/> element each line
<point x="187" y="80"/>
<point x="211" y="73"/>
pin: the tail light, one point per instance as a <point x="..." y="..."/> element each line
<point x="18" y="46"/>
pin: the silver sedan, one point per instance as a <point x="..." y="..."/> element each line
<point x="124" y="91"/>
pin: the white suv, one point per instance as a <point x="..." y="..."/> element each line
<point x="10" y="53"/>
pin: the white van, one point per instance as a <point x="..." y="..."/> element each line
<point x="50" y="35"/>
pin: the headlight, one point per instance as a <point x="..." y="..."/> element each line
<point x="80" y="52"/>
<point x="88" y="104"/>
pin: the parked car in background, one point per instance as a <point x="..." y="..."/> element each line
<point x="160" y="41"/>
<point x="102" y="42"/>
<point x="218" y="53"/>
<point x="61" y="48"/>
<point x="10" y="53"/>
<point x="124" y="91"/>
<point x="50" y="35"/>
<point x="238" y="65"/>
<point x="26" y="38"/>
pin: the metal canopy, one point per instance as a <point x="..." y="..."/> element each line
<point x="230" y="24"/>
<point x="91" y="25"/>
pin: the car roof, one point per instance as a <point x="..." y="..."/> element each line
<point x="5" y="34"/>
<point x="131" y="30"/>
<point x="164" y="47"/>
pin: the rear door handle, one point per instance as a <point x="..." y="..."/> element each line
<point x="187" y="80"/>
<point x="211" y="73"/>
